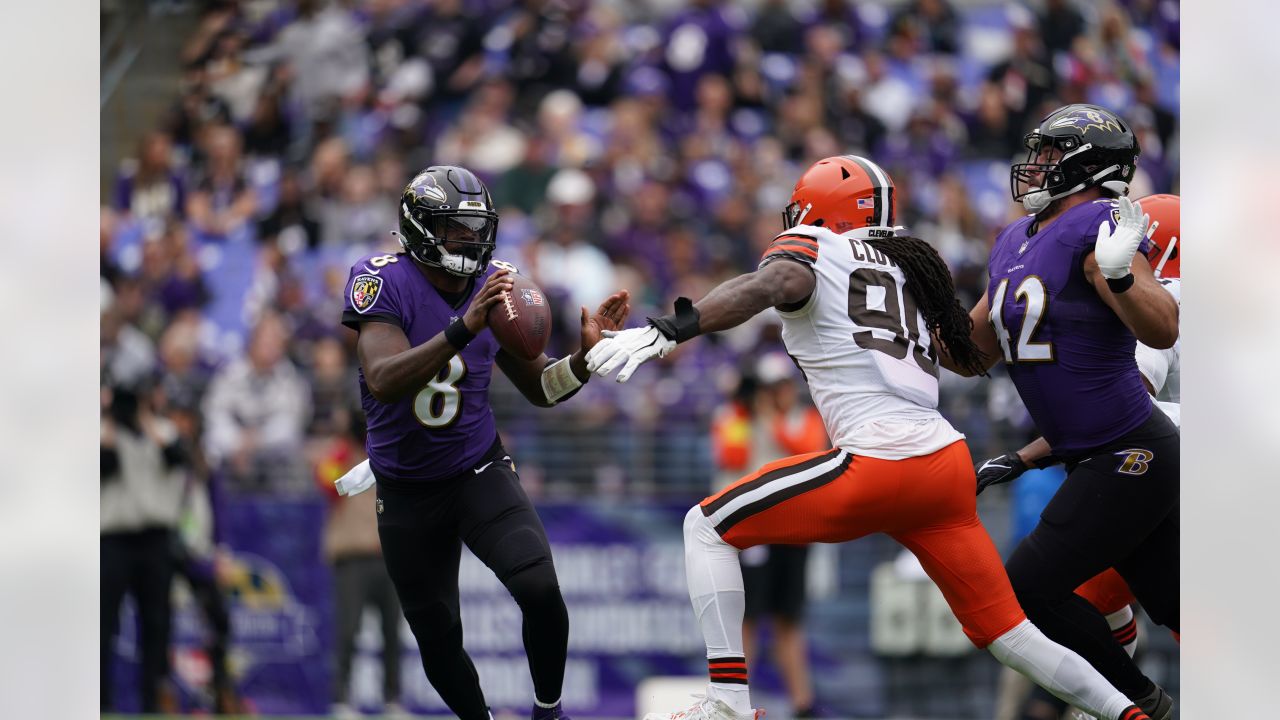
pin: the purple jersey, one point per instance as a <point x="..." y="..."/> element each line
<point x="446" y="427"/>
<point x="1069" y="355"/>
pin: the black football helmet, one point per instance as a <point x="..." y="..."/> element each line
<point x="1075" y="147"/>
<point x="448" y="205"/>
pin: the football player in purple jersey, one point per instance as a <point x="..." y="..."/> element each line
<point x="1070" y="294"/>
<point x="443" y="477"/>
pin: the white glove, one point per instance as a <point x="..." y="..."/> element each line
<point x="357" y="480"/>
<point x="631" y="347"/>
<point x="1114" y="252"/>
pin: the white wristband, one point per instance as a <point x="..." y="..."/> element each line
<point x="558" y="380"/>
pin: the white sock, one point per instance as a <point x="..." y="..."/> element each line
<point x="719" y="601"/>
<point x="546" y="706"/>
<point x="1058" y="670"/>
<point x="735" y="696"/>
<point x="1124" y="627"/>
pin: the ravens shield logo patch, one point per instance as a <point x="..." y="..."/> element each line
<point x="364" y="291"/>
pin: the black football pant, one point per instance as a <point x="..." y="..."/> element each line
<point x="423" y="526"/>
<point x="1117" y="508"/>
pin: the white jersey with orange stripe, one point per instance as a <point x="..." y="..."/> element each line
<point x="863" y="346"/>
<point x="1163" y="368"/>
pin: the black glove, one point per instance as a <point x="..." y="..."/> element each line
<point x="999" y="470"/>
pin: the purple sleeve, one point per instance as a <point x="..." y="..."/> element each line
<point x="369" y="296"/>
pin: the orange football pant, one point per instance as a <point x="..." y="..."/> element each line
<point x="926" y="503"/>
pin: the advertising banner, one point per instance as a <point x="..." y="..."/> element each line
<point x="621" y="569"/>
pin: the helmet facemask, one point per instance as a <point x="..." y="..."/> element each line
<point x="1045" y="177"/>
<point x="460" y="242"/>
<point x="1166" y="254"/>
<point x="793" y="214"/>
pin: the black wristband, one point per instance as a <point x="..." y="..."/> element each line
<point x="681" y="325"/>
<point x="458" y="335"/>
<point x="1119" y="285"/>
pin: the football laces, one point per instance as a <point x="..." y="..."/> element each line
<point x="510" y="304"/>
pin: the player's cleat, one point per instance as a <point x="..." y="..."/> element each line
<point x="1157" y="704"/>
<point x="707" y="709"/>
<point x="551" y="713"/>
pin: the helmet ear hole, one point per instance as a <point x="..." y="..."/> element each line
<point x="817" y="223"/>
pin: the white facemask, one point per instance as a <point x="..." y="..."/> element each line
<point x="1038" y="200"/>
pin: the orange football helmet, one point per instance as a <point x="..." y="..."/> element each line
<point x="1166" y="241"/>
<point x="842" y="193"/>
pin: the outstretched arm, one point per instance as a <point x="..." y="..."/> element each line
<point x="781" y="283"/>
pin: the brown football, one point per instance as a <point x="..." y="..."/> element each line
<point x="521" y="321"/>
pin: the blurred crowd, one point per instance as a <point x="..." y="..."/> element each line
<point x="643" y="145"/>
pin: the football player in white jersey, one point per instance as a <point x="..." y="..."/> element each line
<point x="861" y="305"/>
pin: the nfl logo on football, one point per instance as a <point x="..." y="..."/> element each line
<point x="531" y="297"/>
